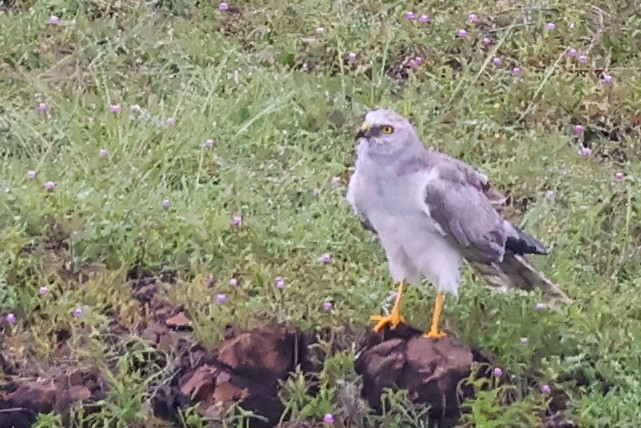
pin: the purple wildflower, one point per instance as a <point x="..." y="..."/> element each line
<point x="586" y="151"/>
<point x="221" y="298"/>
<point x="115" y="108"/>
<point x="351" y="57"/>
<point x="497" y="372"/>
<point x="135" y="108"/>
<point x="233" y="282"/>
<point x="540" y="307"/>
<point x="462" y="33"/>
<point x="619" y="176"/>
<point x="424" y="19"/>
<point x="208" y="144"/>
<point x="524" y="341"/>
<point x="42" y="107"/>
<point x="497" y="61"/>
<point x="43" y="290"/>
<point x="550" y="26"/>
<point x="472" y="18"/>
<point x="54" y="20"/>
<point x="223" y="6"/>
<point x="237" y="220"/>
<point x="328" y="306"/>
<point x="579" y="129"/>
<point x="545" y="389"/>
<point x="166" y="204"/>
<point x="11" y="318"/>
<point x="607" y="79"/>
<point x="102" y="153"/>
<point x="410" y="16"/>
<point x="31" y="175"/>
<point x="550" y="195"/>
<point x="49" y="185"/>
<point x="77" y="313"/>
<point x="328" y="418"/>
<point x="583" y="59"/>
<point x="326" y="258"/>
<point x="571" y="52"/>
<point x="280" y="282"/>
<point x="320" y="31"/>
<point x="487" y="41"/>
<point x="170" y="121"/>
<point x="516" y="71"/>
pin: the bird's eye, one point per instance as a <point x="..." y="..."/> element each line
<point x="388" y="130"/>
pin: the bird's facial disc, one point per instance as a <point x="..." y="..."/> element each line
<point x="380" y="137"/>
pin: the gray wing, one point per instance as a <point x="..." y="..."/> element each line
<point x="464" y="213"/>
<point x="462" y="202"/>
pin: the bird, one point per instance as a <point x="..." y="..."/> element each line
<point x="430" y="213"/>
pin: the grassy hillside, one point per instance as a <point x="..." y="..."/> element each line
<point x="155" y="128"/>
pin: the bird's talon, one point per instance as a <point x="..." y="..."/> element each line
<point x="435" y="334"/>
<point x="382" y="320"/>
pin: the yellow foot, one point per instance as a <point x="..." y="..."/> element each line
<point x="393" y="319"/>
<point x="435" y="334"/>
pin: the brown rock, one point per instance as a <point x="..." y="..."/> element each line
<point x="430" y="370"/>
<point x="264" y="353"/>
<point x="179" y="320"/>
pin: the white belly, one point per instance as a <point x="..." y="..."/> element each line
<point x="414" y="244"/>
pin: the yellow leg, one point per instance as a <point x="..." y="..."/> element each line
<point x="435" y="332"/>
<point x="394" y="318"/>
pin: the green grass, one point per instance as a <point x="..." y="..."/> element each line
<point x="282" y="104"/>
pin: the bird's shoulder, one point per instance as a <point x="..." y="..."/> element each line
<point x="443" y="168"/>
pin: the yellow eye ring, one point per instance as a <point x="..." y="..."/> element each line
<point x="388" y="130"/>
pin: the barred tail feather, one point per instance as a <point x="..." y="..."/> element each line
<point x="516" y="272"/>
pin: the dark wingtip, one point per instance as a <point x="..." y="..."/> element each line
<point x="524" y="244"/>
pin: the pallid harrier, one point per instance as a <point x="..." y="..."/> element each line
<point x="430" y="212"/>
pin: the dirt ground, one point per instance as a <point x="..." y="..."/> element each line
<point x="245" y="367"/>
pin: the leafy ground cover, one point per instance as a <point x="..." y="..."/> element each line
<point x="196" y="154"/>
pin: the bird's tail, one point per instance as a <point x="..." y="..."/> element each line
<point x="516" y="272"/>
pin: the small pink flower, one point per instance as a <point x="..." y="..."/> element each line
<point x="166" y="204"/>
<point x="328" y="306"/>
<point x="336" y="180"/>
<point x="77" y="313"/>
<point x="550" y="26"/>
<point x="11" y="318"/>
<point x="135" y="108"/>
<point x="221" y="298"/>
<point x="524" y="341"/>
<point x="424" y="19"/>
<point x="571" y="52"/>
<point x="102" y="153"/>
<point x="210" y="279"/>
<point x="208" y="144"/>
<point x="487" y="41"/>
<point x="579" y="129"/>
<point x="31" y="175"/>
<point x="472" y="18"/>
<point x="410" y="16"/>
<point x="54" y="20"/>
<point x="607" y="79"/>
<point x="462" y="33"/>
<point x="233" y="282"/>
<point x="49" y="185"/>
<point x="351" y="57"/>
<point x="619" y="176"/>
<point x="326" y="258"/>
<point x="42" y="107"/>
<point x="550" y="195"/>
<point x="540" y="307"/>
<point x="516" y="71"/>
<point x="586" y="151"/>
<point x="114" y="108"/>
<point x="412" y="64"/>
<point x="237" y="220"/>
<point x="223" y="6"/>
<point x="545" y="389"/>
<point x="419" y="60"/>
<point x="280" y="282"/>
<point x="170" y="121"/>
<point x="497" y="61"/>
<point x="43" y="290"/>
<point x="583" y="59"/>
<point x="328" y="419"/>
<point x="497" y="372"/>
<point x="320" y="31"/>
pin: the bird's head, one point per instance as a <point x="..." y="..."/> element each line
<point x="385" y="133"/>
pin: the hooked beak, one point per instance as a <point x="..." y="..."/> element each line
<point x="364" y="131"/>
